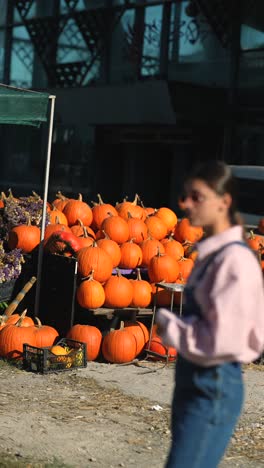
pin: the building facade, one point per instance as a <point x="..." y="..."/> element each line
<point x="144" y="89"/>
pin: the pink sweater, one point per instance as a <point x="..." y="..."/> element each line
<point x="231" y="298"/>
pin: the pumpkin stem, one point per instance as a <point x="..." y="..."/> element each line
<point x="118" y="272"/>
<point x="136" y="199"/>
<point x="39" y="324"/>
<point x="60" y="196"/>
<point x="100" y="199"/>
<point x="121" y="325"/>
<point x="80" y="198"/>
<point x="138" y="275"/>
<point x="89" y="277"/>
<point x="3" y="196"/>
<point x="20" y="320"/>
<point x="106" y="236"/>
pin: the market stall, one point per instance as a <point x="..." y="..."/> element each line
<point x="26" y="107"/>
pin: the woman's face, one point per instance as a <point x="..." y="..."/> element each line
<point x="203" y="206"/>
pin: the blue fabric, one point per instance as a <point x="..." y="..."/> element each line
<point x="206" y="404"/>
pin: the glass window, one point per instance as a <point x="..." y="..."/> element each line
<point x="189" y="36"/>
<point x="22" y="58"/>
<point x="151" y="43"/>
<point x="251" y="38"/>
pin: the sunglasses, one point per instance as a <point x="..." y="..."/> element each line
<point x="195" y="196"/>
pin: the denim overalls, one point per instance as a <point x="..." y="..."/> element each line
<point x="207" y="401"/>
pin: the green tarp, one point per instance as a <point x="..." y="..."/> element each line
<point x="20" y="106"/>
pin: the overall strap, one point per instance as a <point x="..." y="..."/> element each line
<point x="211" y="256"/>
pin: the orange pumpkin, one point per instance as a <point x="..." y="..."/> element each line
<point x="150" y="247"/>
<point x="163" y="267"/>
<point x="101" y="211"/>
<point x="131" y="255"/>
<point x="185" y="267"/>
<point x="255" y="241"/>
<point x="118" y="292"/>
<point x="138" y="230"/>
<point x="78" y="209"/>
<point x="119" y="346"/>
<point x="111" y="247"/>
<point x="156" y="227"/>
<point x="116" y="228"/>
<point x="164" y="352"/>
<point x="97" y="259"/>
<point x="173" y="247"/>
<point x="135" y="210"/>
<point x="140" y="332"/>
<point x="185" y="232"/>
<point x="90" y="293"/>
<point x="54" y="227"/>
<point x="24" y="237"/>
<point x="57" y="216"/>
<point x="78" y="229"/>
<point x="168" y="217"/>
<point x="45" y="335"/>
<point x="90" y="335"/>
<point x="141" y="292"/>
<point x="60" y="201"/>
<point x="12" y="338"/>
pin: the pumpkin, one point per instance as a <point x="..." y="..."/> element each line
<point x="150" y="248"/>
<point x="116" y="228"/>
<point x="101" y="211"/>
<point x="255" y="241"/>
<point x="111" y="247"/>
<point x="97" y="259"/>
<point x="85" y="240"/>
<point x="160" y="296"/>
<point x="131" y="255"/>
<point x="185" y="267"/>
<point x="118" y="291"/>
<point x="156" y="227"/>
<point x="141" y="292"/>
<point x="138" y="230"/>
<point x="78" y="209"/>
<point x="140" y="332"/>
<point x="54" y="227"/>
<point x="173" y="248"/>
<point x="168" y="217"/>
<point x="135" y="210"/>
<point x="119" y="346"/>
<point x="185" y="232"/>
<point x="45" y="335"/>
<point x="25" y="237"/>
<point x="163" y="267"/>
<point x="163" y="352"/>
<point x="90" y="335"/>
<point x="58" y="350"/>
<point x="13" y="336"/>
<point x="90" y="293"/>
<point x="60" y="201"/>
<point x="57" y="216"/>
<point x="78" y="229"/>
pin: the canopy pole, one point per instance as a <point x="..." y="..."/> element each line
<point x="44" y="208"/>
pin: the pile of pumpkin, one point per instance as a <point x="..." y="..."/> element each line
<point x="107" y="238"/>
<point x="116" y="346"/>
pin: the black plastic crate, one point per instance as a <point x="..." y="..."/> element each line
<point x="44" y="361"/>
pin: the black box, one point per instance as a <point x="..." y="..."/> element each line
<point x="44" y="361"/>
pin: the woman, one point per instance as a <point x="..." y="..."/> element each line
<point x="222" y="325"/>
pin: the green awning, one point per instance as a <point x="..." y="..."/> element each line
<point x="23" y="107"/>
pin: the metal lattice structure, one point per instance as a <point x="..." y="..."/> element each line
<point x="219" y="14"/>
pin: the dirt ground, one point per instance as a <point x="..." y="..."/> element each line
<point x="107" y="416"/>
